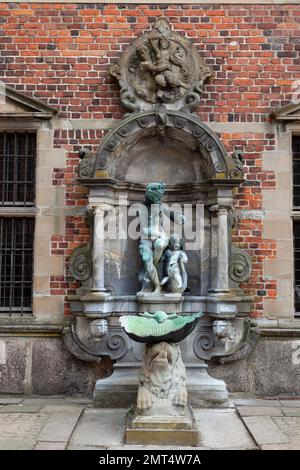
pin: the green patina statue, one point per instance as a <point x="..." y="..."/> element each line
<point x="155" y="243"/>
<point x="174" y="261"/>
<point x="159" y="326"/>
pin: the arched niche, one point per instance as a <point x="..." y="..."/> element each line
<point x="161" y="145"/>
<point x="170" y="140"/>
<point x="154" y="156"/>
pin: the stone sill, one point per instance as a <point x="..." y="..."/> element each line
<point x="280" y="333"/>
<point x="16" y="211"/>
<point x="279" y="328"/>
<point x="25" y="327"/>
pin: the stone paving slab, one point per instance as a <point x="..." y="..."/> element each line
<point x="10" y="400"/>
<point x="291" y="411"/>
<point x="100" y="427"/>
<point x="59" y="427"/>
<point x="264" y="430"/>
<point x="20" y="431"/>
<point x="20" y="408"/>
<point x="70" y="447"/>
<point x="71" y="408"/>
<point x="290" y="403"/>
<point x="290" y="426"/>
<point x="255" y="402"/>
<point x="289" y="446"/>
<point x="80" y="400"/>
<point x="46" y="401"/>
<point x="17" y="444"/>
<point x="222" y="430"/>
<point x="259" y="411"/>
<point x="45" y="445"/>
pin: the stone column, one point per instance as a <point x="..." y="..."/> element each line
<point x="221" y="284"/>
<point x="222" y="261"/>
<point x="98" y="249"/>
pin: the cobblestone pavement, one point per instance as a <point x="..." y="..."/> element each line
<point x="44" y="423"/>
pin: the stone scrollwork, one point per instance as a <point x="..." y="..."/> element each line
<point x="117" y="344"/>
<point x="112" y="343"/>
<point x="128" y="98"/>
<point x="87" y="163"/>
<point x="161" y="66"/>
<point x="203" y="341"/>
<point x="240" y="265"/>
<point x="227" y="342"/>
<point x="237" y="164"/>
<point x="192" y="98"/>
<point x="80" y="264"/>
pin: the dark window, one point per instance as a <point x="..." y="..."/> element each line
<point x="16" y="264"/>
<point x="17" y="190"/>
<point x="17" y="168"/>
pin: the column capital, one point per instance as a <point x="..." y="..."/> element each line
<point x="102" y="207"/>
<point x="220" y="209"/>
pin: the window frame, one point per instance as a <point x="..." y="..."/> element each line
<point x="29" y="211"/>
<point x="295" y="220"/>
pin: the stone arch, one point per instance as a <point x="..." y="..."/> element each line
<point x="182" y="133"/>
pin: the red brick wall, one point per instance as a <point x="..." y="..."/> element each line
<point x="60" y="53"/>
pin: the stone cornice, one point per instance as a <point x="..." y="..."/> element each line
<point x="32" y="108"/>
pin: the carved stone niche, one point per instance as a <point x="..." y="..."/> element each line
<point x="161" y="141"/>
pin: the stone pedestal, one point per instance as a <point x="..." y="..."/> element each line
<point x="167" y="302"/>
<point x="119" y="390"/>
<point x="204" y="390"/>
<point x="162" y="428"/>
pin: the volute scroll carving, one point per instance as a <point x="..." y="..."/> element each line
<point x="240" y="265"/>
<point x="80" y="264"/>
<point x="87" y="163"/>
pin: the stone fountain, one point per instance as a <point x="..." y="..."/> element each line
<point x="161" y="415"/>
<point x="160" y="139"/>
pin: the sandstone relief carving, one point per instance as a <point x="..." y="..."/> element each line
<point x="161" y="66"/>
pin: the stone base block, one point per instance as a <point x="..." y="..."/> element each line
<point x="120" y="389"/>
<point x="161" y="430"/>
<point x="204" y="390"/>
<point x="151" y="302"/>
